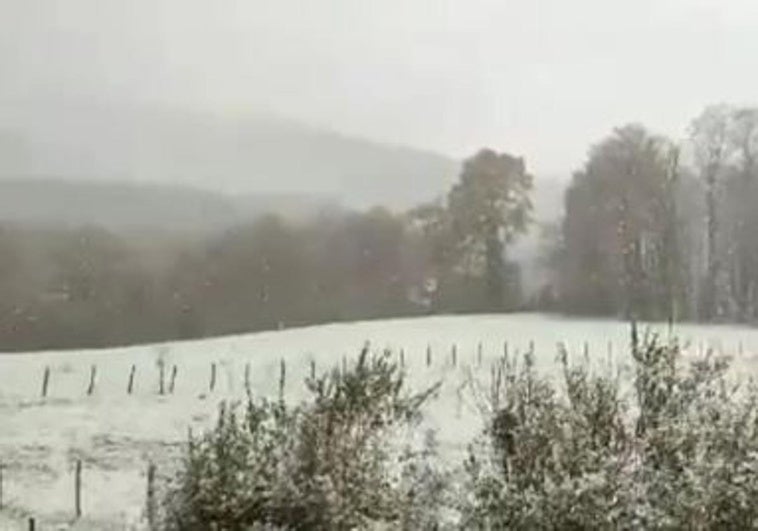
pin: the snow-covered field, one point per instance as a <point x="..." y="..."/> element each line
<point x="115" y="434"/>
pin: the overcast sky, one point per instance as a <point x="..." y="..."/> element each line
<point x="540" y="78"/>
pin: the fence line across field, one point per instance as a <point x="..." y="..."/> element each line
<point x="476" y="357"/>
<point x="91" y="386"/>
<point x="77" y="509"/>
<point x="167" y="385"/>
<point x="164" y="389"/>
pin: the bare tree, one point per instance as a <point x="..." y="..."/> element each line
<point x="709" y="135"/>
<point x="743" y="250"/>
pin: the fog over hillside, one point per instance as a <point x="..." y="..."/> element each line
<point x="235" y="153"/>
<point x="138" y="166"/>
<point x="125" y="206"/>
<point x="280" y="264"/>
<point x="128" y="206"/>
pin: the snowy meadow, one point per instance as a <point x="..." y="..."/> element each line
<point x="90" y="415"/>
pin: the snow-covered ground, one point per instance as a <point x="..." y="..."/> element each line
<point x="115" y="434"/>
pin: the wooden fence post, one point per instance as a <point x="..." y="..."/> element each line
<point x="428" y="355"/>
<point x="479" y="354"/>
<point x="45" y="381"/>
<point x="402" y="357"/>
<point x="172" y="383"/>
<point x="92" y="375"/>
<point x="78" y="488"/>
<point x="130" y="385"/>
<point x="212" y="385"/>
<point x="32" y="526"/>
<point x="161" y="377"/>
<point x="283" y="378"/>
<point x="313" y="369"/>
<point x="454" y="355"/>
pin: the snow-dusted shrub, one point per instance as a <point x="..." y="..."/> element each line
<point x="548" y="460"/>
<point x="673" y="446"/>
<point x="679" y="451"/>
<point x="697" y="435"/>
<point x="333" y="462"/>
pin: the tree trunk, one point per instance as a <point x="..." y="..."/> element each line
<point x="671" y="262"/>
<point x="494" y="282"/>
<point x="710" y="295"/>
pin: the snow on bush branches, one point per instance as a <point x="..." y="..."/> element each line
<point x="674" y="446"/>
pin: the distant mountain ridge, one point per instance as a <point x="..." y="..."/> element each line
<point x="221" y="152"/>
<point x="130" y="166"/>
<point x="132" y="207"/>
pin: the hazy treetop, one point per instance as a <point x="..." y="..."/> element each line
<point x="541" y="78"/>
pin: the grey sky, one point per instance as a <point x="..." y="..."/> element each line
<point x="542" y="78"/>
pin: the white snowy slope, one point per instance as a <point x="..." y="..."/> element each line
<point x="115" y="434"/>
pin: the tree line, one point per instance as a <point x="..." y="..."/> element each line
<point x="88" y="287"/>
<point x="660" y="229"/>
<point x="652" y="229"/>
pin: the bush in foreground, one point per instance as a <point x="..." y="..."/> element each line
<point x="674" y="446"/>
<point x="334" y="462"/>
<point x="680" y="453"/>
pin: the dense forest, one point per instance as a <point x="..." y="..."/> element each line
<point x="653" y="228"/>
<point x="659" y="229"/>
<point x="93" y="287"/>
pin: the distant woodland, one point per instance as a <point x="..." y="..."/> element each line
<point x="650" y="229"/>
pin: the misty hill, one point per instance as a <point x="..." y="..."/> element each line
<point x="130" y="206"/>
<point x="121" y="206"/>
<point x="229" y="152"/>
